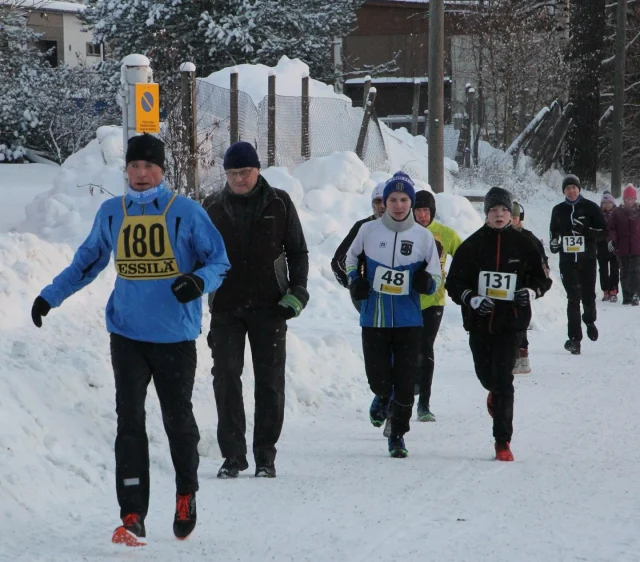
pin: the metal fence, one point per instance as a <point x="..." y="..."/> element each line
<point x="334" y="126"/>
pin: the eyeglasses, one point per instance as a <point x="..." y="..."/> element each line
<point x="241" y="174"/>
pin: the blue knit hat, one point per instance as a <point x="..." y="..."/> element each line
<point x="399" y="182"/>
<point x="241" y="154"/>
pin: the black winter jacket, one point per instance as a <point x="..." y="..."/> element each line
<point x="338" y="263"/>
<point x="272" y="259"/>
<point x="593" y="227"/>
<point x="503" y="251"/>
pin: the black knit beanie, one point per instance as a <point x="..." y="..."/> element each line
<point x="497" y="196"/>
<point x="240" y="154"/>
<point x="571" y="180"/>
<point x="145" y="147"/>
<point x="425" y="199"/>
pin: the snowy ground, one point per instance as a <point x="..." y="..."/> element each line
<point x="571" y="495"/>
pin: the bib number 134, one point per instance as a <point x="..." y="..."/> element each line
<point x="500" y="286"/>
<point x="573" y="244"/>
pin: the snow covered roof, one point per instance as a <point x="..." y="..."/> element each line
<point x="46" y="5"/>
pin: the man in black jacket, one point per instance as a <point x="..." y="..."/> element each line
<point x="494" y="276"/>
<point x="522" y="366"/>
<point x="265" y="287"/>
<point x="338" y="263"/>
<point x="577" y="225"/>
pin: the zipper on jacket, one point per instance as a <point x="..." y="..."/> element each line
<point x="573" y="208"/>
<point x="497" y="270"/>
<point x="393" y="262"/>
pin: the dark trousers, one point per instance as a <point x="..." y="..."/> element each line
<point x="609" y="272"/>
<point x="494" y="356"/>
<point x="629" y="276"/>
<point x="579" y="281"/>
<point x="267" y="338"/>
<point x="431" y="318"/>
<point x="391" y="358"/>
<point x="173" y="368"/>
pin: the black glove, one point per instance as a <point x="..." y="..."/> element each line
<point x="359" y="289"/>
<point x="422" y="282"/>
<point x="482" y="305"/>
<point x="39" y="309"/>
<point x="555" y="245"/>
<point x="523" y="297"/>
<point x="289" y="307"/>
<point x="188" y="287"/>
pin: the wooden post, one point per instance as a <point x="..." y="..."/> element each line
<point x="305" y="148"/>
<point x="368" y="110"/>
<point x="189" y="129"/>
<point x="367" y="87"/>
<point x="415" y="110"/>
<point x="233" y="107"/>
<point x="436" y="95"/>
<point x="471" y="96"/>
<point x="271" y="120"/>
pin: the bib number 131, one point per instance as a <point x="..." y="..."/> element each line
<point x="500" y="286"/>
<point x="390" y="281"/>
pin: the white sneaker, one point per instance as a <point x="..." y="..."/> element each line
<point x="525" y="367"/>
<point x="517" y="366"/>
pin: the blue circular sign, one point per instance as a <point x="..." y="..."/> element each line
<point x="147" y="101"/>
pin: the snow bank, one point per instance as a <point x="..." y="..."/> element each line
<point x="253" y="80"/>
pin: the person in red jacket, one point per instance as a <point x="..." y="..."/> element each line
<point x="624" y="240"/>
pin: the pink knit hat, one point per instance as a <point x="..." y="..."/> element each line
<point x="630" y="192"/>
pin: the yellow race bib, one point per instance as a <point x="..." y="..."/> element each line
<point x="144" y="251"/>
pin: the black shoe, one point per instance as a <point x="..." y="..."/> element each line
<point x="573" y="346"/>
<point x="232" y="467"/>
<point x="185" y="519"/>
<point x="592" y="332"/>
<point x="131" y="532"/>
<point x="265" y="469"/>
<point x="397" y="448"/>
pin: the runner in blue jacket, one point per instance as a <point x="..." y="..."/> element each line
<point x="167" y="254"/>
<point x="401" y="262"/>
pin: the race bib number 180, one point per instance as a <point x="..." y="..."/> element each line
<point x="500" y="286"/>
<point x="391" y="282"/>
<point x="573" y="244"/>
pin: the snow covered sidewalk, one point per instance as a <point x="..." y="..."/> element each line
<point x="570" y="495"/>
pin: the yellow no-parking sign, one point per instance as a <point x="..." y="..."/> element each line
<point x="147" y="108"/>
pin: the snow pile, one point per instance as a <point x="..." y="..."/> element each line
<point x="253" y="80"/>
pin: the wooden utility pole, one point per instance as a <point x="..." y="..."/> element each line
<point x="436" y="95"/>
<point x="189" y="128"/>
<point x="618" y="100"/>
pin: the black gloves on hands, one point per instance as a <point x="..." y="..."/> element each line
<point x="555" y="245"/>
<point x="39" y="309"/>
<point x="359" y="289"/>
<point x="482" y="305"/>
<point x="188" y="287"/>
<point x="422" y="282"/>
<point x="523" y="297"/>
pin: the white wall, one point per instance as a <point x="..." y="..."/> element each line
<point x="75" y="42"/>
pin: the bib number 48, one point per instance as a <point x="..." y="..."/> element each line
<point x="390" y="281"/>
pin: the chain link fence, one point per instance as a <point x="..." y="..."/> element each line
<point x="334" y="127"/>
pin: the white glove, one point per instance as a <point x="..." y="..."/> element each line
<point x="611" y="247"/>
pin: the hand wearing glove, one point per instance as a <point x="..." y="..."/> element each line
<point x="482" y="305"/>
<point x="289" y="307"/>
<point x="359" y="288"/>
<point x="39" y="309"/>
<point x="611" y="247"/>
<point x="187" y="288"/>
<point x="422" y="282"/>
<point x="523" y="297"/>
<point x="555" y="245"/>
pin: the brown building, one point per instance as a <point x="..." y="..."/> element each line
<point x="389" y="30"/>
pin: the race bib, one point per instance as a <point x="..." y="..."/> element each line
<point x="390" y="281"/>
<point x="500" y="286"/>
<point x="573" y="244"/>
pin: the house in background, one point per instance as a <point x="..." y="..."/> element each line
<point x="62" y="32"/>
<point x="388" y="29"/>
